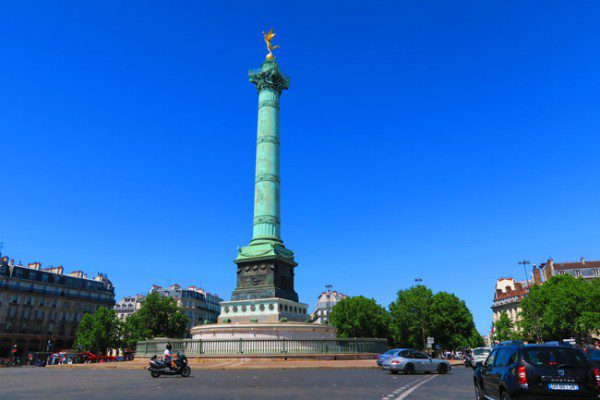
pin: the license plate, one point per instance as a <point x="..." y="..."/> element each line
<point x="563" y="386"/>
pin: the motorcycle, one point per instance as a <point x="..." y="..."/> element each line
<point x="159" y="367"/>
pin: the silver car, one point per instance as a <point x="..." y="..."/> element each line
<point x="479" y="354"/>
<point x="412" y="361"/>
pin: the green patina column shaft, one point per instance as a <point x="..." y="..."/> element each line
<point x="270" y="82"/>
<point x="265" y="268"/>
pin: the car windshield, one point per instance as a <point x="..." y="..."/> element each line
<point x="481" y="352"/>
<point x="390" y="352"/>
<point x="553" y="357"/>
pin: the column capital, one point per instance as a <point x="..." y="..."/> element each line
<point x="268" y="76"/>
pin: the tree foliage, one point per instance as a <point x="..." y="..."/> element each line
<point x="418" y="313"/>
<point x="360" y="317"/>
<point x="563" y="307"/>
<point x="411" y="317"/>
<point x="158" y="316"/>
<point x="451" y="322"/>
<point x="504" y="329"/>
<point x="98" y="332"/>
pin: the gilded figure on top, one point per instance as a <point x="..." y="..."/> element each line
<point x="268" y="38"/>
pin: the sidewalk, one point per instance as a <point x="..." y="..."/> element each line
<point x="241" y="363"/>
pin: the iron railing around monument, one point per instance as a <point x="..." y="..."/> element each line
<point x="225" y="347"/>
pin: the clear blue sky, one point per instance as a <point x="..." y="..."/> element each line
<point x="432" y="139"/>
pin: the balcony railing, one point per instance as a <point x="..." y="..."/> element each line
<point x="224" y="347"/>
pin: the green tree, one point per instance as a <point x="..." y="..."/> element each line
<point x="98" y="332"/>
<point x="451" y="322"/>
<point x="504" y="329"/>
<point x="360" y="317"/>
<point x="411" y="314"/>
<point x="158" y="316"/>
<point x="417" y="313"/>
<point x="562" y="307"/>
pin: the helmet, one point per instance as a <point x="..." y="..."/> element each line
<point x="169" y="347"/>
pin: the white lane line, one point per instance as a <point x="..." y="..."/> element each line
<point x="412" y="389"/>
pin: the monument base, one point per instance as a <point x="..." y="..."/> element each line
<point x="288" y="330"/>
<point x="269" y="310"/>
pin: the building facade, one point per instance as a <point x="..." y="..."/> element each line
<point x="128" y="305"/>
<point x="507" y="299"/>
<point x="508" y="294"/>
<point x="325" y="303"/>
<point x="37" y="305"/>
<point x="582" y="269"/>
<point x="198" y="305"/>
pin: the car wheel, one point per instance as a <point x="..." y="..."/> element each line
<point x="442" y="369"/>
<point x="478" y="392"/>
<point x="504" y="396"/>
<point x="154" y="374"/>
<point x="409" y="369"/>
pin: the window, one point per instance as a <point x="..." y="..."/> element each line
<point x="577" y="272"/>
<point x="15" y="299"/>
<point x="420" y="356"/>
<point x="489" y="362"/>
<point x="503" y="359"/>
<point x="553" y="357"/>
<point x="596" y="272"/>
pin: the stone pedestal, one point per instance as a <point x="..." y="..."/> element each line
<point x="270" y="310"/>
<point x="291" y="331"/>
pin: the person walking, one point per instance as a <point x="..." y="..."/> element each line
<point x="13" y="353"/>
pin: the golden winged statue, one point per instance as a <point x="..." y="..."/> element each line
<point x="268" y="37"/>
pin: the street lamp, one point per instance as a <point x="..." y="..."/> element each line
<point x="420" y="313"/>
<point x="525" y="263"/>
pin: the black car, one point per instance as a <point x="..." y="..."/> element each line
<point x="594" y="355"/>
<point x="531" y="372"/>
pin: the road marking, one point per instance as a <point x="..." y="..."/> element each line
<point x="412" y="389"/>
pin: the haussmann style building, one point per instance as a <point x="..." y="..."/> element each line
<point x="325" y="303"/>
<point x="198" y="305"/>
<point x="41" y="304"/>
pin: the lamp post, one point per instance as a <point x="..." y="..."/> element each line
<point x="532" y="308"/>
<point x="419" y="311"/>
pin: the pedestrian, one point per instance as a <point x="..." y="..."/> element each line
<point x="14" y="355"/>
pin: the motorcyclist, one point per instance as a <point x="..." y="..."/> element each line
<point x="169" y="357"/>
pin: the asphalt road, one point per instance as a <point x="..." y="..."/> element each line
<point x="354" y="384"/>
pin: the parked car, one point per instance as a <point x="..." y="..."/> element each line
<point x="388" y="354"/>
<point x="479" y="354"/>
<point x="540" y="371"/>
<point x="411" y="361"/>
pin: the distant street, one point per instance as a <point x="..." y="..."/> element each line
<point x="355" y="384"/>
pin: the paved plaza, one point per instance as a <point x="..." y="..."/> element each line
<point x="356" y="384"/>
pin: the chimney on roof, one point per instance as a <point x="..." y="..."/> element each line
<point x="11" y="263"/>
<point x="33" y="265"/>
<point x="78" y="274"/>
<point x="56" y="270"/>
<point x="498" y="292"/>
<point x="518" y="286"/>
<point x="537" y="276"/>
<point x="582" y="260"/>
